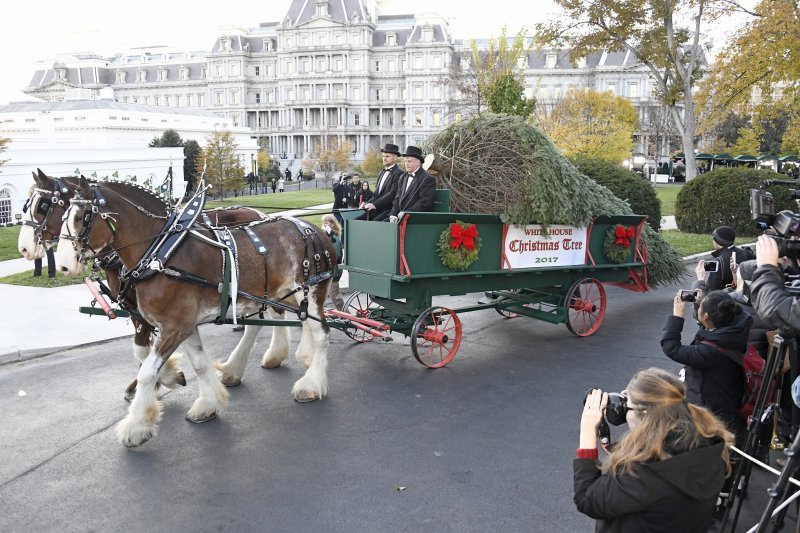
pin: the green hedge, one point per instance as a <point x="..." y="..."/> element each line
<point x="625" y="185"/>
<point x="722" y="198"/>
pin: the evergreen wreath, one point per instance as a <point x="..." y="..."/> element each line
<point x="617" y="245"/>
<point x="459" y="245"/>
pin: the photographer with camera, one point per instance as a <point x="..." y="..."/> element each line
<point x="714" y="378"/>
<point x="767" y="292"/>
<point x="665" y="473"/>
<point x="720" y="277"/>
<point x="340" y="190"/>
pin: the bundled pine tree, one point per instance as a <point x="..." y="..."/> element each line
<point x="500" y="164"/>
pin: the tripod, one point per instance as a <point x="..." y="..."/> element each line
<point x="762" y="413"/>
<point x="777" y="492"/>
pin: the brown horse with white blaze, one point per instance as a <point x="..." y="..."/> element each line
<point x="42" y="224"/>
<point x="119" y="216"/>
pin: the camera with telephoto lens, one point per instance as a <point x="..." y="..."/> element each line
<point x="785" y="224"/>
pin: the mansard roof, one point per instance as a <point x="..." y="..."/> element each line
<point x="342" y="11"/>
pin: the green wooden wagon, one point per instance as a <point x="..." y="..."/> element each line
<point x="396" y="271"/>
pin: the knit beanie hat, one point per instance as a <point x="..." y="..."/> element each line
<point x="747" y="269"/>
<point x="724" y="236"/>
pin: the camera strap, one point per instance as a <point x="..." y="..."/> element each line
<point x="733" y="355"/>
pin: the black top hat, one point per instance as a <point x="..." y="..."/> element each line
<point x="413" y="151"/>
<point x="391" y="149"/>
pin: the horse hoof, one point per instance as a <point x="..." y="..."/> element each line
<point x="231" y="381"/>
<point x="129" y="394"/>
<point x="271" y="364"/>
<point x="131" y="445"/>
<point x="306" y="396"/>
<point x="180" y="379"/>
<point x="202" y="419"/>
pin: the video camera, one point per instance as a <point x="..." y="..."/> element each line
<point x="616" y="409"/>
<point x="785" y="224"/>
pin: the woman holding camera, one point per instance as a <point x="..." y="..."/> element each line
<point x="714" y="377"/>
<point x="665" y="473"/>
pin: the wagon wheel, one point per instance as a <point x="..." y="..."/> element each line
<point x="436" y="337"/>
<point x="586" y="306"/>
<point x="361" y="305"/>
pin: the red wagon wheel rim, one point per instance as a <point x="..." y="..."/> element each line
<point x="436" y="337"/>
<point x="361" y="305"/>
<point x="586" y="307"/>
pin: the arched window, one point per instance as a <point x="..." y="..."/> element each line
<point x="5" y="206"/>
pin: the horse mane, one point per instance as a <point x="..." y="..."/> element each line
<point x="127" y="187"/>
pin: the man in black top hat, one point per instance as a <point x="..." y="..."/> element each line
<point x="386" y="187"/>
<point x="417" y="188"/>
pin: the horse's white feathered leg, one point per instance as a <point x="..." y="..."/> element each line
<point x="314" y="384"/>
<point x="232" y="370"/>
<point x="278" y="349"/>
<point x="144" y="413"/>
<point x="213" y="397"/>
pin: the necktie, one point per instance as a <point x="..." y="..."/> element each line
<point x="408" y="183"/>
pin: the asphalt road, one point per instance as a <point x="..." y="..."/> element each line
<point x="485" y="444"/>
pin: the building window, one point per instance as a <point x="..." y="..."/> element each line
<point x="377" y="66"/>
<point x="417" y="91"/>
<point x="338" y="65"/>
<point x="290" y="94"/>
<point x="392" y="65"/>
<point x="217" y="71"/>
<point x="437" y="60"/>
<point x="403" y="94"/>
<point x="270" y="97"/>
<point x="437" y="92"/>
<point x="201" y="100"/>
<point x="418" y="118"/>
<point x="378" y="118"/>
<point x="613" y="88"/>
<point x="550" y="60"/>
<point x="258" y="98"/>
<point x="339" y="91"/>
<point x="234" y="97"/>
<point x="268" y="45"/>
<point x="391" y="93"/>
<point x="234" y="69"/>
<point x="120" y="77"/>
<point x="204" y="73"/>
<point x="141" y="76"/>
<point x="125" y="118"/>
<point x="218" y="96"/>
<point x="257" y="71"/>
<point x="391" y="39"/>
<point x="417" y="61"/>
<point x="633" y="89"/>
<point x="557" y="92"/>
<point x="356" y="119"/>
<point x="188" y="100"/>
<point x="162" y="75"/>
<point x="378" y="94"/>
<point x="177" y="100"/>
<point x="184" y="73"/>
<point x="356" y="93"/>
<point x="166" y="100"/>
<point x="5" y="207"/>
<point x="356" y="63"/>
<point x="542" y="93"/>
<point x="321" y="65"/>
<point x="305" y="65"/>
<point x="437" y="118"/>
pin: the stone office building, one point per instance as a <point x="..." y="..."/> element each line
<point x="329" y="71"/>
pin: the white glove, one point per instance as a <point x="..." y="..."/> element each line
<point x="393" y="219"/>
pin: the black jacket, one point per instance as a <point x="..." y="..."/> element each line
<point x="676" y="494"/>
<point x="340" y="195"/>
<point x="772" y="301"/>
<point x="385" y="191"/>
<point x="723" y="276"/>
<point x="759" y="328"/>
<point x="419" y="196"/>
<point x="713" y="379"/>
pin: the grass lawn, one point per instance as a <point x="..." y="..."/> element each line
<point x="668" y="194"/>
<point x="27" y="279"/>
<point x="276" y="202"/>
<point x="688" y="243"/>
<point x="8" y="243"/>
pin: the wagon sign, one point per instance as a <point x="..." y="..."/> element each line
<point x="534" y="246"/>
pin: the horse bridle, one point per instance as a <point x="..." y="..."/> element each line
<point x="44" y="207"/>
<point x="90" y="212"/>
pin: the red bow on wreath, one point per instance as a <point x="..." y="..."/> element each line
<point x="623" y="234"/>
<point x="463" y="236"/>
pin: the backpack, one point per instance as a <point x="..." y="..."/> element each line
<point x="755" y="369"/>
